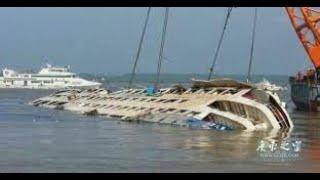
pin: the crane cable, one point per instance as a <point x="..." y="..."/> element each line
<point x="164" y="30"/>
<point x="139" y="48"/>
<point x="252" y="44"/>
<point x="220" y="42"/>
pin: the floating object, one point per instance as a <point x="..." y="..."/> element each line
<point x="223" y="102"/>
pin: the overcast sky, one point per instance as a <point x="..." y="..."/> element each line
<point x="104" y="40"/>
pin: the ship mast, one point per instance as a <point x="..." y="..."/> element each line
<point x="220" y="42"/>
<point x="163" y="39"/>
<point x="139" y="48"/>
<point x="252" y="44"/>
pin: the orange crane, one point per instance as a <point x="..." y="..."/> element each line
<point x="305" y="89"/>
<point x="306" y="22"/>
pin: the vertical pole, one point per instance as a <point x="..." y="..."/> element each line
<point x="139" y="48"/>
<point x="252" y="44"/>
<point x="219" y="43"/>
<point x="164" y="30"/>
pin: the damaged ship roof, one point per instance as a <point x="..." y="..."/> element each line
<point x="221" y="82"/>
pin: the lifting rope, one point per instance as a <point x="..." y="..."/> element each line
<point x="220" y="42"/>
<point x="164" y="30"/>
<point x="139" y="48"/>
<point x="252" y="44"/>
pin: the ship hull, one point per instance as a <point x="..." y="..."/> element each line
<point x="237" y="106"/>
<point x="305" y="95"/>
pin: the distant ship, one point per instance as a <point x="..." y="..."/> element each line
<point x="49" y="77"/>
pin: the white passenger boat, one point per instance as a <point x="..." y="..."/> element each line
<point x="48" y="77"/>
<point x="223" y="103"/>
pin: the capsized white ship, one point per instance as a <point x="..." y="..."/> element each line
<point x="222" y="103"/>
<point x="49" y="77"/>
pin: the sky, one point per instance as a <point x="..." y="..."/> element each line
<point x="105" y="40"/>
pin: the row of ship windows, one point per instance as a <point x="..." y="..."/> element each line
<point x="161" y="110"/>
<point x="210" y="91"/>
<point x="174" y="91"/>
<point x="240" y="110"/>
<point x="138" y="99"/>
<point x="33" y="82"/>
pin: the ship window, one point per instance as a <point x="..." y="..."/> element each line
<point x="212" y="91"/>
<point x="171" y="100"/>
<point x="143" y="99"/>
<point x="183" y="111"/>
<point x="91" y="97"/>
<point x="194" y="113"/>
<point x="233" y="91"/>
<point x="165" y="110"/>
<point x="233" y="107"/>
<point x="171" y="109"/>
<point x="183" y="100"/>
<point x="61" y="103"/>
<point x="135" y="92"/>
<point x="101" y="106"/>
<point x="35" y="82"/>
<point x="220" y="91"/>
<point x="46" y="82"/>
<point x="51" y="103"/>
<point x="161" y="100"/>
<point x="207" y="90"/>
<point x="96" y="98"/>
<point x="95" y="105"/>
<point x="193" y="90"/>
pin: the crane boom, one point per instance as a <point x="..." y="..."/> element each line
<point x="305" y="21"/>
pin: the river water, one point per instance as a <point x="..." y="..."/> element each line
<point x="44" y="140"/>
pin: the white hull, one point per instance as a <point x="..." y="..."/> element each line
<point x="241" y="107"/>
<point x="50" y="88"/>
